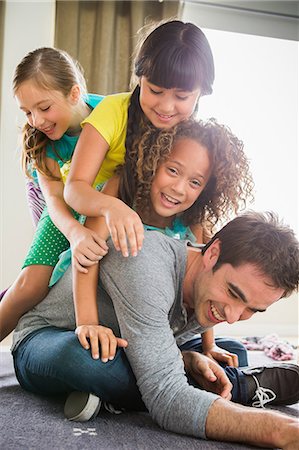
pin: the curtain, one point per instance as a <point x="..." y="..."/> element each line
<point x="101" y="35"/>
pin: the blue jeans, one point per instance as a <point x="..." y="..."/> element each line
<point x="229" y="344"/>
<point x="51" y="361"/>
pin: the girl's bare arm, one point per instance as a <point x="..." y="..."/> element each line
<point x="123" y="223"/>
<point x="89" y="331"/>
<point x="86" y="243"/>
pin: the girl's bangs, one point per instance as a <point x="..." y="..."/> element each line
<point x="174" y="71"/>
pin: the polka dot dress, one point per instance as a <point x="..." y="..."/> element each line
<point x="47" y="244"/>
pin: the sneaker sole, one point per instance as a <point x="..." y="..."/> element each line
<point x="81" y="406"/>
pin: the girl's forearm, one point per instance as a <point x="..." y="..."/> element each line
<point x="85" y="199"/>
<point x="85" y="284"/>
<point x="85" y="296"/>
<point x="207" y="339"/>
<point x="62" y="217"/>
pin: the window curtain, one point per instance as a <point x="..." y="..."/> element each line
<point x="102" y="35"/>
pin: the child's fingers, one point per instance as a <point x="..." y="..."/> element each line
<point x="94" y="345"/>
<point x="82" y="333"/>
<point x="132" y="239"/>
<point x="101" y="243"/>
<point x="119" y="239"/>
<point x="122" y="342"/>
<point x="231" y="359"/>
<point x="84" y="260"/>
<point x="139" y="232"/>
<point x="112" y="347"/>
<point x="79" y="267"/>
<point x="105" y="347"/>
<point x="89" y="254"/>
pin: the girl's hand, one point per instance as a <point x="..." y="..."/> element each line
<point x="91" y="335"/>
<point x="220" y="355"/>
<point x="87" y="248"/>
<point x="207" y="373"/>
<point x="125" y="227"/>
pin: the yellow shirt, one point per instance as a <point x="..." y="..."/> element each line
<point x="110" y="119"/>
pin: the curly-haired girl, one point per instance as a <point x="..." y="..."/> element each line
<point x="221" y="196"/>
<point x="186" y="178"/>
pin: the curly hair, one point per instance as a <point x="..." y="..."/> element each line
<point x="51" y="69"/>
<point x="230" y="184"/>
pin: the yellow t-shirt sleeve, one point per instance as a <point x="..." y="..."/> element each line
<point x="110" y="119"/>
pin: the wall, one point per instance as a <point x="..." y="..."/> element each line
<point x="256" y="94"/>
<point x="27" y="25"/>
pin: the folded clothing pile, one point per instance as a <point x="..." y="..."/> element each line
<point x="272" y="345"/>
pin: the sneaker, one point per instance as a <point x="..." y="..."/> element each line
<point x="81" y="406"/>
<point x="277" y="384"/>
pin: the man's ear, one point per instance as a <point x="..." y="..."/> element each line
<point x="211" y="255"/>
<point x="75" y="94"/>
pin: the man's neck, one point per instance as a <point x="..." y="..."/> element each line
<point x="193" y="269"/>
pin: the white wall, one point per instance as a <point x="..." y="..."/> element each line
<point x="256" y="95"/>
<point x="27" y="25"/>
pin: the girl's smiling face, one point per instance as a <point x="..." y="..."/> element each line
<point x="166" y="108"/>
<point x="46" y="110"/>
<point x="179" y="181"/>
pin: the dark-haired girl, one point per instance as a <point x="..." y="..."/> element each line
<point x="173" y="67"/>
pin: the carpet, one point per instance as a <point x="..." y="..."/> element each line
<point x="30" y="422"/>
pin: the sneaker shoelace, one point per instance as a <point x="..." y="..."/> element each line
<point x="110" y="408"/>
<point x="262" y="395"/>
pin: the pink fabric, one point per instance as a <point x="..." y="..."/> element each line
<point x="272" y="345"/>
<point x="36" y="201"/>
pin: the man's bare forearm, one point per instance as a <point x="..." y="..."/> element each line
<point x="229" y="421"/>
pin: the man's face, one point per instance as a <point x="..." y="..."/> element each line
<point x="231" y="293"/>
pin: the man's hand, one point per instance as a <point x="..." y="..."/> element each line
<point x="207" y="373"/>
<point x="90" y="336"/>
<point x="220" y="355"/>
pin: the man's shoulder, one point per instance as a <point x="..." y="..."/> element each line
<point x="159" y="252"/>
<point x="156" y="239"/>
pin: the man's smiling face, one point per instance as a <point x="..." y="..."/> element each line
<point x="230" y="294"/>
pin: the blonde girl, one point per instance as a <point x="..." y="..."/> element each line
<point x="50" y="89"/>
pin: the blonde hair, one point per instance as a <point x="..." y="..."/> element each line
<point x="52" y="69"/>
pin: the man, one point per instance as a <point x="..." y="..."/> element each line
<point x="157" y="301"/>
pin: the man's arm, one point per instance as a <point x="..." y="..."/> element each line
<point x="227" y="421"/>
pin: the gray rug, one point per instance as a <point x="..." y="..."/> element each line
<point x="30" y="422"/>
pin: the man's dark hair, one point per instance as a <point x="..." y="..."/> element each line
<point x="264" y="241"/>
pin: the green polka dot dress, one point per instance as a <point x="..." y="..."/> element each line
<point x="47" y="244"/>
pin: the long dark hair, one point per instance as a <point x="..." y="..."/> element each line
<point x="173" y="54"/>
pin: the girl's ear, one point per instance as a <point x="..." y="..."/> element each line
<point x="75" y="94"/>
<point x="211" y="255"/>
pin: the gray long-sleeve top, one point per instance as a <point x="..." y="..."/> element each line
<point x="141" y="298"/>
